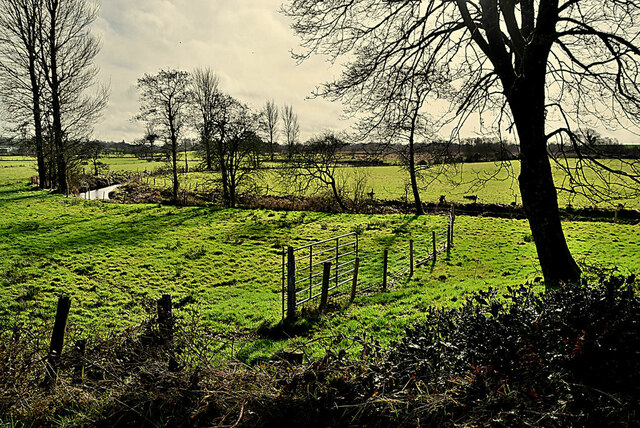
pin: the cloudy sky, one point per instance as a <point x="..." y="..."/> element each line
<point x="246" y="42"/>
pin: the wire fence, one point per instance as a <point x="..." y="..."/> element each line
<point x="327" y="268"/>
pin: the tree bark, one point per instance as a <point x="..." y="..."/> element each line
<point x="412" y="164"/>
<point x="539" y="195"/>
<point x="61" y="164"/>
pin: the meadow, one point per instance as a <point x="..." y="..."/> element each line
<point x="492" y="183"/>
<point x="223" y="265"/>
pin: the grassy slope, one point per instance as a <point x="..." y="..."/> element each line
<point x="110" y="258"/>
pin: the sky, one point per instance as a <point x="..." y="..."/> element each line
<point x="247" y="43"/>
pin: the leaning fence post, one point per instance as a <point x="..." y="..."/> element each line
<point x="57" y="336"/>
<point x="354" y="284"/>
<point x="410" y="257"/>
<point x="433" y="234"/>
<point x="324" y="297"/>
<point x="385" y="265"/>
<point x="291" y="285"/>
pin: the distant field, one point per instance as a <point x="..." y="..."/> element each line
<point x="490" y="182"/>
<point x="110" y="258"/>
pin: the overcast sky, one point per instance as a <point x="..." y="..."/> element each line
<point x="246" y="42"/>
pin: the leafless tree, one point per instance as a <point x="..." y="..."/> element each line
<point x="67" y="53"/>
<point x="21" y="80"/>
<point x="237" y="145"/>
<point x="164" y="101"/>
<point x="291" y="128"/>
<point x="544" y="67"/>
<point x="205" y="93"/>
<point x="269" y="118"/>
<point x="315" y="164"/>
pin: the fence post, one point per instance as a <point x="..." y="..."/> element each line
<point x="433" y="234"/>
<point x="165" y="318"/>
<point x="354" y="284"/>
<point x="384" y="269"/>
<point x="325" y="286"/>
<point x="453" y="220"/>
<point x="78" y="371"/>
<point x="291" y="285"/>
<point x="57" y="337"/>
<point x="410" y="258"/>
<point x="448" y="240"/>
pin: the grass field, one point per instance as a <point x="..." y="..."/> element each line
<point x="491" y="182"/>
<point x="111" y="258"/>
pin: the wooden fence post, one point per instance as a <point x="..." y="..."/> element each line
<point x="78" y="371"/>
<point x="291" y="285"/>
<point x="410" y="258"/>
<point x="449" y="240"/>
<point x="57" y="337"/>
<point x="385" y="266"/>
<point x="354" y="284"/>
<point x="433" y="234"/>
<point x="453" y="220"/>
<point x="324" y="297"/>
<point x="165" y="318"/>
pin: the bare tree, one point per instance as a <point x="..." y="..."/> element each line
<point x="269" y="124"/>
<point x="291" y="128"/>
<point x="205" y="93"/>
<point x="237" y="145"/>
<point x="543" y="66"/>
<point x="315" y="166"/>
<point x="21" y="80"/>
<point x="67" y="53"/>
<point x="164" y="100"/>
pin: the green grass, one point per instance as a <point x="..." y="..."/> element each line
<point x="491" y="182"/>
<point x="111" y="258"/>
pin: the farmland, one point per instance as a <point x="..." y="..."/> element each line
<point x="492" y="183"/>
<point x="225" y="264"/>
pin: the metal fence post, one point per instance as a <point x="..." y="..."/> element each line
<point x="291" y="285"/>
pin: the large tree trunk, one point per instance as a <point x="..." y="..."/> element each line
<point x="539" y="196"/>
<point x="412" y="166"/>
<point x="174" y="163"/>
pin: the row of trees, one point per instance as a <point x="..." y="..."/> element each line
<point x="172" y="101"/>
<point x="47" y="80"/>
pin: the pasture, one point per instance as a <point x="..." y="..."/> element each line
<point x="224" y="265"/>
<point x="492" y="183"/>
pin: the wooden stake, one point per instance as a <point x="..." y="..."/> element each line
<point x="291" y="285"/>
<point x="324" y="296"/>
<point x="384" y="270"/>
<point x="410" y="257"/>
<point x="57" y="337"/>
<point x="434" y="246"/>
<point x="354" y="284"/>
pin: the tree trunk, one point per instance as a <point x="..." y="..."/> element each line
<point x="37" y="123"/>
<point x="174" y="163"/>
<point x="336" y="195"/>
<point x="412" y="165"/>
<point x="61" y="164"/>
<point x="539" y="196"/>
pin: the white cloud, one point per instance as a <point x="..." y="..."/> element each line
<point x="247" y="42"/>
